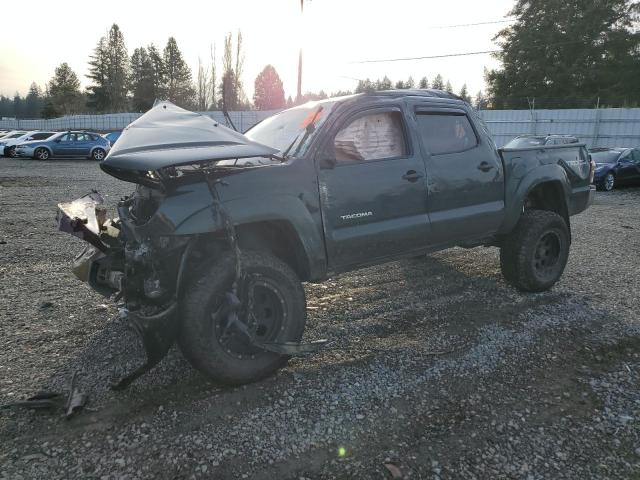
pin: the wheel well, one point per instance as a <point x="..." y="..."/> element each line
<point x="279" y="238"/>
<point x="548" y="196"/>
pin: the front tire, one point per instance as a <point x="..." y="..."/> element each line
<point x="11" y="152"/>
<point x="533" y="256"/>
<point x="608" y="182"/>
<point x="223" y="353"/>
<point x="98" y="154"/>
<point x="41" y="154"/>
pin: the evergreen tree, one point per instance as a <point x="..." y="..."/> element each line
<point x="448" y="87"/>
<point x="34" y="102"/>
<point x="179" y="85"/>
<point x="109" y="72"/>
<point x="268" y="93"/>
<point x="424" y="83"/>
<point x="399" y="84"/>
<point x="480" y="102"/>
<point x="365" y="86"/>
<point x="18" y="106"/>
<point x="464" y="94"/>
<point x="567" y="54"/>
<point x="64" y="92"/>
<point x="159" y="74"/>
<point x="438" y="83"/>
<point x="410" y="83"/>
<point x="384" y="84"/>
<point x="142" y="80"/>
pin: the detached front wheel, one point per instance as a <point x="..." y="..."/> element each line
<point x="272" y="310"/>
<point x="533" y="256"/>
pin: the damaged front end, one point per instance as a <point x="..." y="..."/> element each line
<point x="145" y="273"/>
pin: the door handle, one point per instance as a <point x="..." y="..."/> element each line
<point x="485" y="166"/>
<point x="412" y="176"/>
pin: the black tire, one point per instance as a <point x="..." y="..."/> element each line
<point x="232" y="359"/>
<point x="98" y="154"/>
<point x="11" y="152"/>
<point x="608" y="182"/>
<point x="41" y="154"/>
<point x="534" y="254"/>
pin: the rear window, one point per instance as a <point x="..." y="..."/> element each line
<point x="525" y="142"/>
<point x="446" y="133"/>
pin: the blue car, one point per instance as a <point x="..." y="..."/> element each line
<point x="66" y="144"/>
<point x="112" y="137"/>
<point x="615" y="166"/>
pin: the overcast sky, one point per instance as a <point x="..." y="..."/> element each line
<point x="333" y="33"/>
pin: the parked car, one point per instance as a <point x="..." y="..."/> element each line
<point x="8" y="138"/>
<point x="538" y="140"/>
<point x="112" y="137"/>
<point x="222" y="228"/>
<point x="66" y="144"/>
<point x="10" y="145"/>
<point x="615" y="166"/>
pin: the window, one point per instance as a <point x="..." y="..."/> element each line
<point x="446" y="133"/>
<point x="81" y="137"/>
<point x="40" y="136"/>
<point x="371" y="137"/>
<point x="636" y="155"/>
<point x="66" y="137"/>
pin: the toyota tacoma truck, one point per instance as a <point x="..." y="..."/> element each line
<point x="213" y="245"/>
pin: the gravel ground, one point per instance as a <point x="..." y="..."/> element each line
<point x="436" y="367"/>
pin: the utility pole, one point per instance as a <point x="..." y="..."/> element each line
<point x="299" y="95"/>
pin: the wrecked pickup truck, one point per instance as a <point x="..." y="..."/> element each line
<point x="212" y="246"/>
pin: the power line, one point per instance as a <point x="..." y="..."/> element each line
<point x="404" y="59"/>
<point x="492" y="22"/>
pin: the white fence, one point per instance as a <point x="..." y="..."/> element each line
<point x="604" y="127"/>
<point x="117" y="121"/>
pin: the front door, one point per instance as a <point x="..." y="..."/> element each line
<point x="629" y="166"/>
<point x="372" y="189"/>
<point x="65" y="146"/>
<point x="465" y="177"/>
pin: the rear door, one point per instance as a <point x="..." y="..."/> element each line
<point x="465" y="177"/>
<point x="83" y="144"/>
<point x="372" y="188"/>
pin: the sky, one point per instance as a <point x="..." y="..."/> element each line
<point x="334" y="34"/>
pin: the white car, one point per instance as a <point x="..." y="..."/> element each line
<point x="8" y="144"/>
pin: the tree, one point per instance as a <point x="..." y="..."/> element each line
<point x="365" y="86"/>
<point x="141" y="80"/>
<point x="448" y="87"/>
<point x="464" y="94"/>
<point x="410" y="83"/>
<point x="178" y="82"/>
<point x="232" y="92"/>
<point x="109" y="72"/>
<point x="33" y="102"/>
<point x="424" y="83"/>
<point x="268" y="93"/>
<point x="480" y="101"/>
<point x="567" y="54"/>
<point x="384" y="84"/>
<point x="64" y="92"/>
<point x="159" y="73"/>
<point x="399" y="84"/>
<point x="438" y="83"/>
<point x="213" y="79"/>
<point x="203" y="91"/>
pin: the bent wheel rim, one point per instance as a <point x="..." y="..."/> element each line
<point x="263" y="312"/>
<point x="546" y="255"/>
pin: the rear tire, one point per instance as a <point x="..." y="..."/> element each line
<point x="226" y="356"/>
<point x="98" y="154"/>
<point x="534" y="254"/>
<point x="41" y="154"/>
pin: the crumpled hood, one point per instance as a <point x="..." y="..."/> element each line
<point x="168" y="135"/>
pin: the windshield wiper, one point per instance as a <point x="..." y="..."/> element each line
<point x="308" y="130"/>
